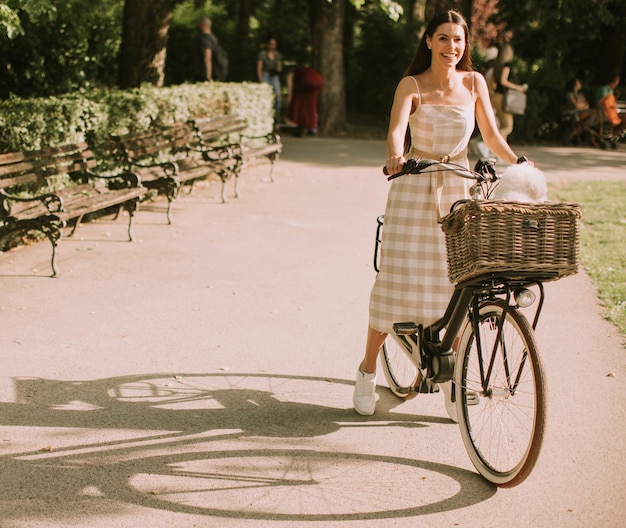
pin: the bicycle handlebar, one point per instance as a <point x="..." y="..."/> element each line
<point x="484" y="171"/>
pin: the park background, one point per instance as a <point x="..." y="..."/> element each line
<point x="360" y="46"/>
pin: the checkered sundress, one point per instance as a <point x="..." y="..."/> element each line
<point x="413" y="284"/>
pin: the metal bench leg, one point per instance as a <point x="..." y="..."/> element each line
<point x="169" y="210"/>
<point x="117" y="213"/>
<point x="52" y="230"/>
<point x="235" y="185"/>
<point x="271" y="170"/>
<point x="131" y="207"/>
<point x="78" y="221"/>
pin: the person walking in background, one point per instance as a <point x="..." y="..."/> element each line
<point x="303" y="87"/>
<point x="501" y="75"/>
<point x="269" y="66"/>
<point x="440" y="99"/>
<point x="491" y="57"/>
<point x="206" y="64"/>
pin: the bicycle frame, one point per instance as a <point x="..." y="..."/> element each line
<point x="429" y="352"/>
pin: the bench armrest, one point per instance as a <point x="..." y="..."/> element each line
<point x="221" y="153"/>
<point x="170" y="168"/>
<point x="52" y="202"/>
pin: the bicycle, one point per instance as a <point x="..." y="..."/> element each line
<point x="487" y="360"/>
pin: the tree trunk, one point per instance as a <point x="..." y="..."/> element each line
<point x="327" y="21"/>
<point x="144" y="42"/>
<point x="243" y="50"/>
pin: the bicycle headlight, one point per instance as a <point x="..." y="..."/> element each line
<point x="524" y="297"/>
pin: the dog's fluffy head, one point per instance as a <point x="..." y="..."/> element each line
<point x="522" y="183"/>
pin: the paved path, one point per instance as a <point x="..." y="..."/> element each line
<point x="202" y="375"/>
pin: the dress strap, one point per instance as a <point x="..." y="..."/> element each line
<point x="417" y="89"/>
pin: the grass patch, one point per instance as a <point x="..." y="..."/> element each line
<point x="603" y="241"/>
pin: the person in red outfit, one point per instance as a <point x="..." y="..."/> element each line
<point x="304" y="85"/>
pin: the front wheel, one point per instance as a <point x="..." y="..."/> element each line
<point x="500" y="394"/>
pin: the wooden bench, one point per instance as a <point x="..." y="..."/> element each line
<point x="213" y="131"/>
<point x="168" y="157"/>
<point x="50" y="212"/>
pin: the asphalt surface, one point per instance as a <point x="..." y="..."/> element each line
<point x="202" y="375"/>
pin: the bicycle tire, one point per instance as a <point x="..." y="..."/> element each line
<point x="502" y="431"/>
<point x="400" y="372"/>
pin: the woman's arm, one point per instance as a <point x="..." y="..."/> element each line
<point x="398" y="121"/>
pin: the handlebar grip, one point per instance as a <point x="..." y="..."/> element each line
<point x="409" y="166"/>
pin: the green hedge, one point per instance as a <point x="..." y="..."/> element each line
<point x="30" y="124"/>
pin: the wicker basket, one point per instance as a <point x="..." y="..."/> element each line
<point x="495" y="236"/>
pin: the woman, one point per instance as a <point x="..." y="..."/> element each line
<point x="607" y="96"/>
<point x="578" y="106"/>
<point x="304" y="85"/>
<point x="575" y="99"/>
<point x="501" y="75"/>
<point x="438" y="99"/>
<point x="269" y="66"/>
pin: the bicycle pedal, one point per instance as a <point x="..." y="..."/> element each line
<point x="407" y="328"/>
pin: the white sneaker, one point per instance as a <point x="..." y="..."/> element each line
<point x="364" y="398"/>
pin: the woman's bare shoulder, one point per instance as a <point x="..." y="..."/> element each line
<point x="473" y="78"/>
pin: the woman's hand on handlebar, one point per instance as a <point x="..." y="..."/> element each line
<point x="394" y="164"/>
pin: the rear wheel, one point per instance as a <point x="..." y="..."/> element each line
<point x="503" y="430"/>
<point x="400" y="372"/>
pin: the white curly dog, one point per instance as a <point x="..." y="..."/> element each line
<point x="521" y="183"/>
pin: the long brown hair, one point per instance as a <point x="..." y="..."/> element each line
<point x="424" y="57"/>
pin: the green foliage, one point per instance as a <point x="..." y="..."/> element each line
<point x="75" y="50"/>
<point x="380" y="51"/>
<point x="603" y="241"/>
<point x="33" y="123"/>
<point x="10" y="11"/>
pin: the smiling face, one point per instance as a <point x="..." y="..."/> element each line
<point x="448" y="44"/>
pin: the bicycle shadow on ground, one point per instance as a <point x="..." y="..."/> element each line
<point x="190" y="444"/>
